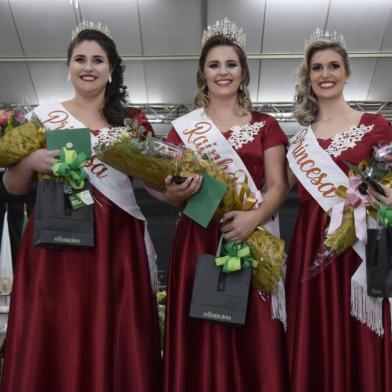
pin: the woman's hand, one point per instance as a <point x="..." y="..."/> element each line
<point x="376" y="198"/>
<point x="237" y="226"/>
<point x="41" y="160"/>
<point x="177" y="194"/>
<point x="19" y="178"/>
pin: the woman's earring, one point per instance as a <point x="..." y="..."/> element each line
<point x="68" y="77"/>
<point x="110" y="78"/>
<point x="241" y="87"/>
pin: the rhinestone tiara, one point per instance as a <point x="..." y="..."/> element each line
<point x="86" y="25"/>
<point x="227" y="29"/>
<point x="320" y="35"/>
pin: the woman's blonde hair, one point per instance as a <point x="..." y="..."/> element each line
<point x="306" y="105"/>
<point x="201" y="99"/>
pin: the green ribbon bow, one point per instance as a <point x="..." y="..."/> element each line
<point x="384" y="217"/>
<point x="235" y="256"/>
<point x="70" y="167"/>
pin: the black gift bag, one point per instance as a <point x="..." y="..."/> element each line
<point x="217" y="295"/>
<point x="379" y="262"/>
<point x="56" y="224"/>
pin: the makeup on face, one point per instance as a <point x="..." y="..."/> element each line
<point x="223" y="71"/>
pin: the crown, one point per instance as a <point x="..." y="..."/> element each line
<point x="86" y="25"/>
<point x="319" y="35"/>
<point x="227" y="29"/>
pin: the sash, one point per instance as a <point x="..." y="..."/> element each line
<point x="200" y="134"/>
<point x="115" y="185"/>
<point x="320" y="176"/>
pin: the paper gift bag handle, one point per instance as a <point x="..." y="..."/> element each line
<point x="219" y="249"/>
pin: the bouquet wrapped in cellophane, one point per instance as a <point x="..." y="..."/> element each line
<point x="19" y="137"/>
<point x="348" y="219"/>
<point x="151" y="160"/>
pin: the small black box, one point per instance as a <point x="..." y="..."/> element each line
<point x="379" y="262"/>
<point x="219" y="296"/>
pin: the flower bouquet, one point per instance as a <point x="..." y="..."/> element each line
<point x="348" y="218"/>
<point x="151" y="160"/>
<point x="11" y="117"/>
<point x="19" y="137"/>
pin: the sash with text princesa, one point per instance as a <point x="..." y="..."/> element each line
<point x="115" y="185"/>
<point x="321" y="176"/>
<point x="199" y="133"/>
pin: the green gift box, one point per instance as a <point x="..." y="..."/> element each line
<point x="74" y="139"/>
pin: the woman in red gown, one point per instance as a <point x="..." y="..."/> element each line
<point x="210" y="356"/>
<point x="84" y="320"/>
<point x="329" y="348"/>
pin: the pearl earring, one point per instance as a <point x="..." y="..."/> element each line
<point x="110" y="79"/>
<point x="68" y="77"/>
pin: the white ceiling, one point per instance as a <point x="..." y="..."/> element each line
<point x="34" y="35"/>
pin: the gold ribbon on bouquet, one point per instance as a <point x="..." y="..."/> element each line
<point x="266" y="249"/>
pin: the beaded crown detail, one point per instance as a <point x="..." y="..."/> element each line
<point x="225" y="28"/>
<point x="86" y="25"/>
<point x="320" y="35"/>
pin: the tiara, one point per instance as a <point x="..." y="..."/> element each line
<point x="227" y="29"/>
<point x="319" y="35"/>
<point x="85" y="25"/>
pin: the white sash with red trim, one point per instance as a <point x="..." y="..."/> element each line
<point x="115" y="185"/>
<point x="321" y="176"/>
<point x="199" y="133"/>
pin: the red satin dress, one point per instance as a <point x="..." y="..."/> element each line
<point x="84" y="320"/>
<point x="204" y="356"/>
<point x="329" y="350"/>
